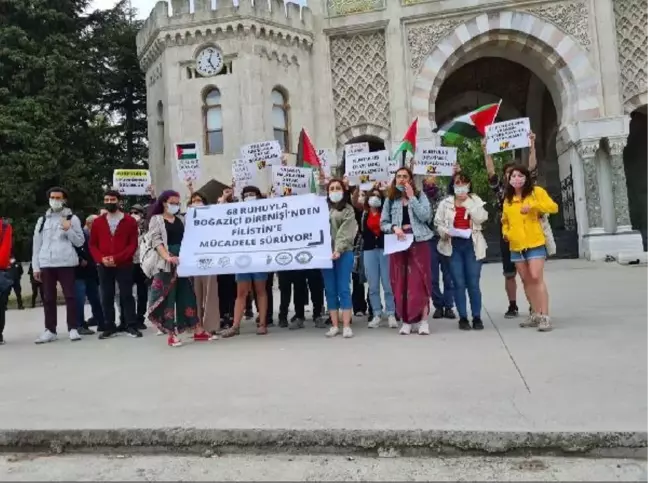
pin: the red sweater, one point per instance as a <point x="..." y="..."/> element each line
<point x="121" y="246"/>
<point x="6" y="246"/>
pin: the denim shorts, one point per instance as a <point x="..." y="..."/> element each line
<point x="529" y="254"/>
<point x="252" y="277"/>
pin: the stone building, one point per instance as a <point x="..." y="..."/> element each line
<point x="362" y="70"/>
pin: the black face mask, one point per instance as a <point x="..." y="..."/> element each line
<point x="111" y="207"/>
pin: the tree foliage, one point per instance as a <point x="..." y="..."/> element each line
<point x="71" y="106"/>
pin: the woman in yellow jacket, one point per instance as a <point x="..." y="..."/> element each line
<point x="524" y="206"/>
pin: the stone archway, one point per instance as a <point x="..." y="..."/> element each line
<point x="635" y="161"/>
<point x="521" y="37"/>
<point x="377" y="136"/>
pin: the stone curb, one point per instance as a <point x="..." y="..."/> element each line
<point x="380" y="442"/>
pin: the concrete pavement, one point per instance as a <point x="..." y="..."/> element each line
<point x="588" y="375"/>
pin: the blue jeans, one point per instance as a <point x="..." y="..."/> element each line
<point x="337" y="283"/>
<point x="90" y="289"/>
<point x="441" y="299"/>
<point x="376" y="265"/>
<point x="466" y="272"/>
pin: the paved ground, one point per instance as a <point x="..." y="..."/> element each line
<point x="314" y="468"/>
<point x="587" y="375"/>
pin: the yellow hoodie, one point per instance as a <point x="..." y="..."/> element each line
<point x="524" y="231"/>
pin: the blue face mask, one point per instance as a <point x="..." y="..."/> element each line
<point x="400" y="187"/>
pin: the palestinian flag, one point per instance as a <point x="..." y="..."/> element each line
<point x="471" y="125"/>
<point x="186" y="151"/>
<point x="409" y="140"/>
<point x="307" y="156"/>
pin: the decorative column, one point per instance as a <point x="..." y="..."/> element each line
<point x="587" y="151"/>
<point x="615" y="148"/>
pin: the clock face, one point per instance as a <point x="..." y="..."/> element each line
<point x="209" y="61"/>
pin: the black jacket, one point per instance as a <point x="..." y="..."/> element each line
<point x="88" y="272"/>
<point x="369" y="240"/>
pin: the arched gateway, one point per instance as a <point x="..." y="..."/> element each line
<point x="560" y="89"/>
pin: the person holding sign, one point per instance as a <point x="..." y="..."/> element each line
<point x="458" y="220"/>
<point x="245" y="282"/>
<point x="407" y="211"/>
<point x="172" y="307"/>
<point x="376" y="263"/>
<point x="337" y="280"/>
<point x="524" y="205"/>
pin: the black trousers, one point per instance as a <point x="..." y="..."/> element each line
<point x="141" y="288"/>
<point x="17" y="288"/>
<point x="226" y="294"/>
<point x="37" y="289"/>
<point x="123" y="277"/>
<point x="297" y="284"/>
<point x="4" y="299"/>
<point x="358" y="295"/>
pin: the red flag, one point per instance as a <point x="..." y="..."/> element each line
<point x="306" y="154"/>
<point x="409" y="140"/>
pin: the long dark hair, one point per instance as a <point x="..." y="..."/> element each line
<point x="371" y="193"/>
<point x="158" y="207"/>
<point x="527" y="189"/>
<point x="394" y="193"/>
<point x="251" y="189"/>
<point x="346" y="195"/>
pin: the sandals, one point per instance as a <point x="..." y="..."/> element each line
<point x="231" y="332"/>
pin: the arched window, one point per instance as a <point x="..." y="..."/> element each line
<point x="160" y="131"/>
<point x="213" y="121"/>
<point x="280" y="124"/>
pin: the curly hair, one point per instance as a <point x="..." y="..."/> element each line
<point x="158" y="207"/>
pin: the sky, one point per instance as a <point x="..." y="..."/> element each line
<point x="143" y="7"/>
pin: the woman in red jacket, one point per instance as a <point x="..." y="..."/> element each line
<point x="6" y="242"/>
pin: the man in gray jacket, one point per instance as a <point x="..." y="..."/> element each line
<point x="54" y="259"/>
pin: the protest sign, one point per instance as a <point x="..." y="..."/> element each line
<point x="366" y="169"/>
<point x="434" y="160"/>
<point x="356" y="148"/>
<point x="188" y="161"/>
<point x="508" y="135"/>
<point x="327" y="160"/>
<point x="244" y="173"/>
<point x="267" y="235"/>
<point x="291" y="180"/>
<point x="267" y="153"/>
<point x="132" y="181"/>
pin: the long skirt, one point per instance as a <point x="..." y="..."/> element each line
<point x="411" y="281"/>
<point x="172" y="301"/>
<point x="206" y="290"/>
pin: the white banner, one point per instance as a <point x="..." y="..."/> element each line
<point x="366" y="169"/>
<point x="132" y="181"/>
<point x="291" y="180"/>
<point x="433" y="160"/>
<point x="268" y="235"/>
<point x="356" y="148"/>
<point x="244" y="173"/>
<point x="508" y="135"/>
<point x="267" y="151"/>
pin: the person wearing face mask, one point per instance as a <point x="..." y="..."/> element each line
<point x="337" y="280"/>
<point x="359" y="294"/>
<point x="407" y="211"/>
<point x="172" y="301"/>
<point x="139" y="279"/>
<point x="524" y="206"/>
<point x="458" y="220"/>
<point x="206" y="286"/>
<point x="226" y="282"/>
<point x="246" y="282"/>
<point x="113" y="242"/>
<point x="54" y="259"/>
<point x="498" y="185"/>
<point x="16" y="272"/>
<point x="376" y="263"/>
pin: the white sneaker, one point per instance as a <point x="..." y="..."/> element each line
<point x="74" y="335"/>
<point x="424" y="328"/>
<point x="393" y="323"/>
<point x="375" y="322"/>
<point x="347" y="333"/>
<point x="332" y="332"/>
<point x="159" y="332"/>
<point x="406" y="329"/>
<point x="46" y="337"/>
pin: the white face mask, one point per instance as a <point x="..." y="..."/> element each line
<point x="173" y="209"/>
<point x="136" y="216"/>
<point x="56" y="205"/>
<point x="374" y="202"/>
<point x="462" y="190"/>
<point x="336" y="196"/>
<point x="197" y="203"/>
<point x="250" y="198"/>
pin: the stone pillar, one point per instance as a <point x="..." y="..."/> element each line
<point x="614" y="148"/>
<point x="587" y="151"/>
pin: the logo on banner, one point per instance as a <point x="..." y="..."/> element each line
<point x="243" y="261"/>
<point x="284" y="258"/>
<point x="205" y="263"/>
<point x="303" y="257"/>
<point x="224" y="262"/>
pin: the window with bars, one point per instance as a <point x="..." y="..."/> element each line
<point x="280" y="120"/>
<point x="213" y="117"/>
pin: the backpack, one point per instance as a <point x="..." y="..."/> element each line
<point x="146" y="254"/>
<point x="41" y="220"/>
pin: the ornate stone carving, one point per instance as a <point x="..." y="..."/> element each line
<point x="632" y="41"/>
<point x="587" y="149"/>
<point x="360" y="87"/>
<point x="421" y="39"/>
<point x="274" y="55"/>
<point x="346" y="7"/>
<point x="571" y="17"/>
<point x="592" y="197"/>
<point x="614" y="148"/>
